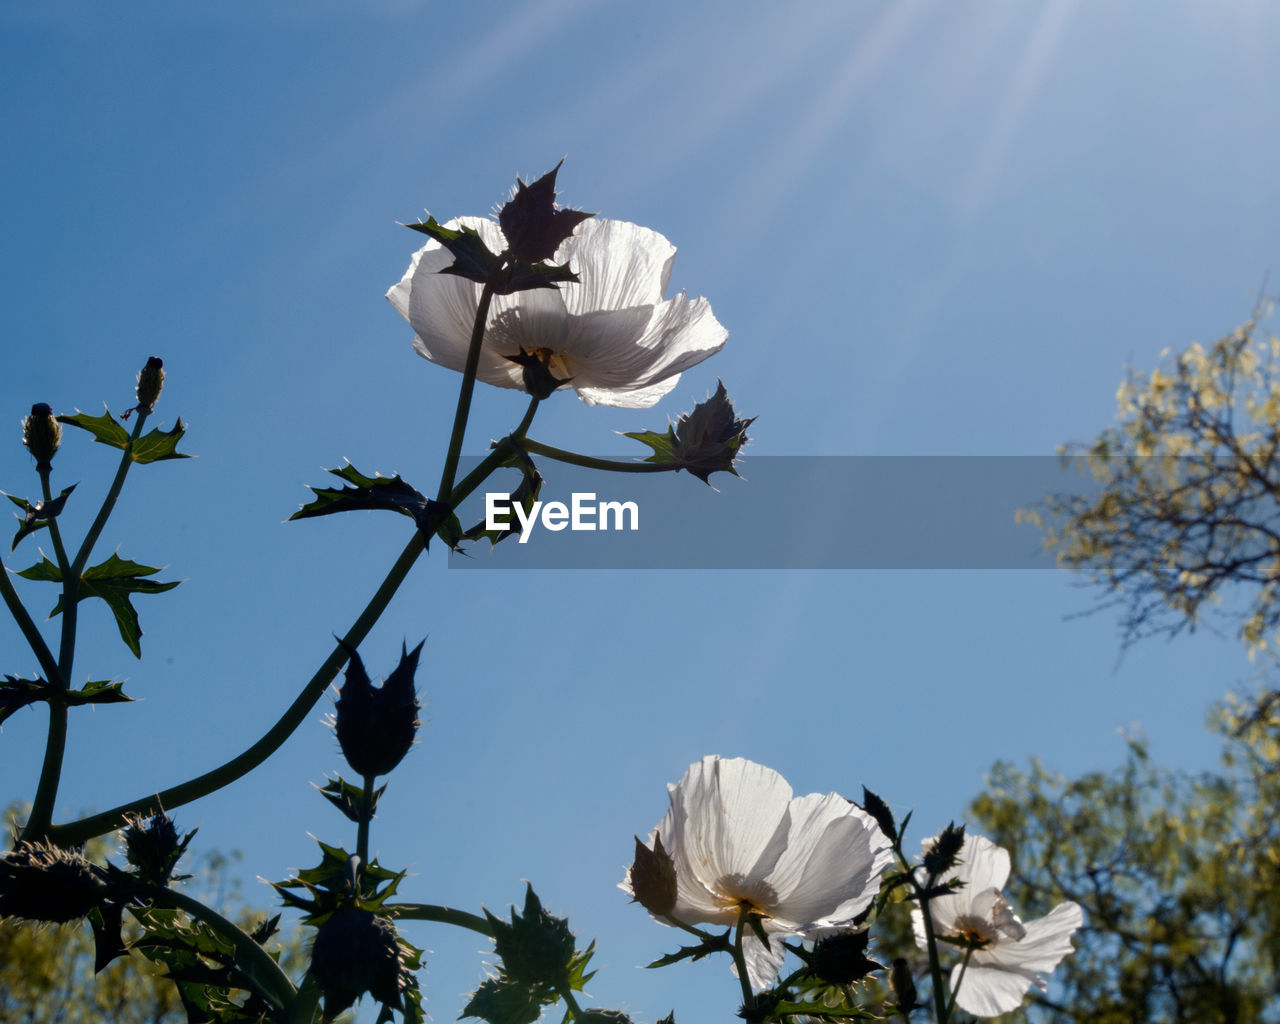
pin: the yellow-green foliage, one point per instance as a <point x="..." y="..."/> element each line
<point x="1189" y="497"/>
<point x="1177" y="875"/>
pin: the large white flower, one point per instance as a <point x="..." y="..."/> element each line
<point x="739" y="839"/>
<point x="612" y="335"/>
<point x="1016" y="954"/>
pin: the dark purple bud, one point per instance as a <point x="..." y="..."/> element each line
<point x="532" y="223"/>
<point x="150" y="384"/>
<point x="376" y="727"/>
<point x="47" y="883"/>
<point x="355" y="952"/>
<point x="42" y="434"/>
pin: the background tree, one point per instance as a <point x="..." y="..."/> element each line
<point x="1190" y="492"/>
<point x="1176" y="874"/>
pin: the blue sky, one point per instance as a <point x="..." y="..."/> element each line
<point x="930" y="228"/>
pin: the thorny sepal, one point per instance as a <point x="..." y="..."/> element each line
<point x="702" y="442"/>
<point x="37" y="515"/>
<point x="525" y="494"/>
<point x="155" y="446"/>
<point x="115" y="581"/>
<point x="349" y="798"/>
<point x="534" y="225"/>
<point x="709" y="944"/>
<point x="152" y="847"/>
<point x="382" y="492"/>
<point x="326" y="888"/>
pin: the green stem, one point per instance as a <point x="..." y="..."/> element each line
<point x="566" y="993"/>
<point x="109" y="502"/>
<point x="964" y="966"/>
<point x="55" y="747"/>
<point x="739" y="959"/>
<point x="441" y="915"/>
<point x="463" y="410"/>
<point x="256" y="963"/>
<point x="211" y="781"/>
<point x="523" y="428"/>
<point x="574" y="459"/>
<point x="935" y="966"/>
<point x="305" y="1004"/>
<point x="48" y="664"/>
<point x="362" y="828"/>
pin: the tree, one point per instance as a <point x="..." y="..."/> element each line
<point x="1190" y="492"/>
<point x="1176" y="874"/>
<point x="46" y="971"/>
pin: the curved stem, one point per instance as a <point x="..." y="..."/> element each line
<point x="305" y="1004"/>
<point x="48" y="664"/>
<point x="257" y="964"/>
<point x="441" y="915"/>
<point x="463" y="410"/>
<point x="211" y="781"/>
<point x="55" y="746"/>
<point x="523" y="428"/>
<point x="588" y="462"/>
<point x="739" y="959"/>
<point x="566" y="993"/>
<point x="964" y="966"/>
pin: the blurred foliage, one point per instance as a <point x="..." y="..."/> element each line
<point x="1189" y="498"/>
<point x="1176" y="874"/>
<point x="46" y="971"/>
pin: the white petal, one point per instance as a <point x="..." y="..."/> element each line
<point x="620" y="265"/>
<point x="1046" y="942"/>
<point x="736" y="815"/>
<point x="990" y="991"/>
<point x="982" y="865"/>
<point x="763" y="964"/>
<point x="640" y="398"/>
<point x="830" y="870"/>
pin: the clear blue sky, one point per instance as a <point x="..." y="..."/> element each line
<point x="930" y="228"/>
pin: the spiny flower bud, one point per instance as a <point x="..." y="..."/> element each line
<point x="42" y="434"/>
<point x="355" y="952"/>
<point x="40" y="882"/>
<point x="841" y="959"/>
<point x="376" y="727"/>
<point x="152" y="846"/>
<point x="535" y="947"/>
<point x="904" y="986"/>
<point x="150" y="384"/>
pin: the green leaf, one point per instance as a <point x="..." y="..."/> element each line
<point x="709" y="945"/>
<point x="101" y="691"/>
<point x="525" y="494"/>
<point x="115" y="581"/>
<point x="472" y="259"/>
<point x="17" y="693"/>
<point x="502" y="1001"/>
<point x="158" y="445"/>
<point x="382" y="492"/>
<point x="105" y="428"/>
<point x="38" y="515"/>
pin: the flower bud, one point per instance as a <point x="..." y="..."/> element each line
<point x="355" y="952"/>
<point x="653" y="878"/>
<point x="536" y="948"/>
<point x="841" y="959"/>
<point x="42" y="434"/>
<point x="904" y="986"/>
<point x="376" y="727"/>
<point x="152" y="846"/>
<point x="40" y="882"/>
<point x="150" y="384"/>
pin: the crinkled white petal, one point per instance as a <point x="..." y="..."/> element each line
<point x="830" y="870"/>
<point x="764" y="964"/>
<point x="981" y="865"/>
<point x="999" y="976"/>
<point x="612" y="334"/>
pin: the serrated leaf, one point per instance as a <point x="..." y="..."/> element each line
<point x="472" y="259"/>
<point x="37" y="515"/>
<point x="102" y="691"/>
<point x="502" y="1001"/>
<point x="715" y="944"/>
<point x="18" y="693"/>
<point x="106" y="920"/>
<point x="115" y="581"/>
<point x="43" y="571"/>
<point x="105" y="429"/>
<point x="390" y="493"/>
<point x="158" y="445"/>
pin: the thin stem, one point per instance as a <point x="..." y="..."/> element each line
<point x="55" y="746"/>
<point x="523" y="428"/>
<point x="566" y="993"/>
<point x="463" y="410"/>
<point x="964" y="966"/>
<point x="257" y="964"/>
<point x="211" y="781"/>
<point x="304" y="1006"/>
<point x="935" y="966"/>
<point x="441" y="915"/>
<point x="48" y="664"/>
<point x="109" y="502"/>
<point x="739" y="959"/>
<point x="54" y="531"/>
<point x="362" y="828"/>
<point x="574" y="459"/>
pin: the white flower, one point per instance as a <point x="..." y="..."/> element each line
<point x="739" y="839"/>
<point x="1016" y="953"/>
<point x="612" y="333"/>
